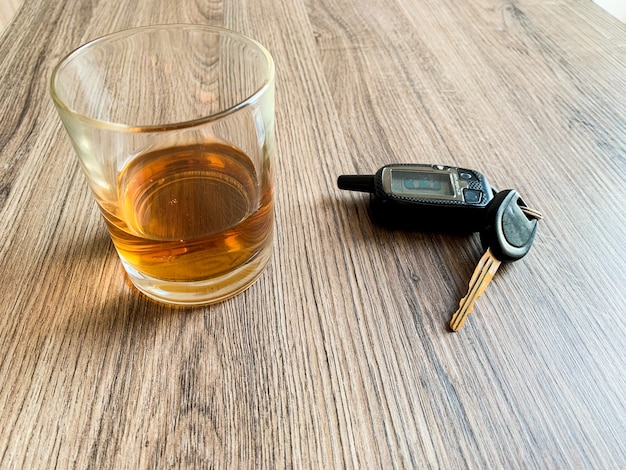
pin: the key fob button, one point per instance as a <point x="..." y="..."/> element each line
<point x="472" y="196"/>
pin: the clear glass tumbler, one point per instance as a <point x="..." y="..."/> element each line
<point x="174" y="128"/>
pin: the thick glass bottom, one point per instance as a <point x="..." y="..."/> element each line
<point x="203" y="292"/>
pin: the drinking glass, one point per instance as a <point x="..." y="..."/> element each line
<point x="173" y="126"/>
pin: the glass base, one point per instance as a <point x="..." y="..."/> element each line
<point x="205" y="292"/>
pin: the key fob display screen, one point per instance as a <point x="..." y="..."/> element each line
<point x="420" y="184"/>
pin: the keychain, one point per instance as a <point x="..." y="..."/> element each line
<point x="449" y="199"/>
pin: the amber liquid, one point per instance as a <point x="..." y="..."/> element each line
<point x="191" y="213"/>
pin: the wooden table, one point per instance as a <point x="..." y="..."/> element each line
<point x="340" y="355"/>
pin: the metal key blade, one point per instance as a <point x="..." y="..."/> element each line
<point x="484" y="272"/>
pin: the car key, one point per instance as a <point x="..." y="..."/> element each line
<point x="508" y="236"/>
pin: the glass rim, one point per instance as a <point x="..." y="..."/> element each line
<point x="265" y="83"/>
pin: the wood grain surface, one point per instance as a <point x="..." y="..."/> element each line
<point x="340" y="355"/>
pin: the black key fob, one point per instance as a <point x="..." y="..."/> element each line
<point x="425" y="197"/>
